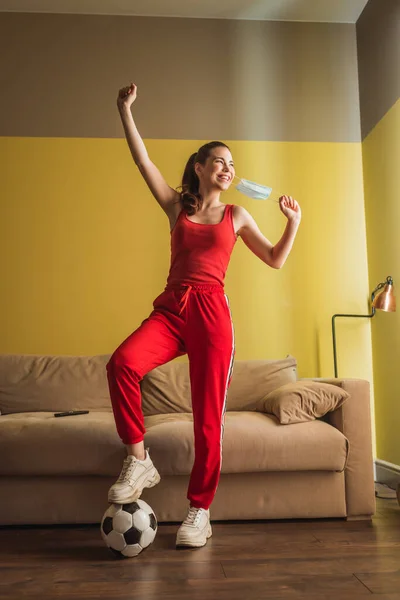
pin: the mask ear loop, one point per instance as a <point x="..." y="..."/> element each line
<point x="269" y="198"/>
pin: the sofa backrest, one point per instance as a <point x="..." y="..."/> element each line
<point x="30" y="383"/>
<point x="166" y="389"/>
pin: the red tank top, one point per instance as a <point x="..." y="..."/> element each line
<point x="200" y="253"/>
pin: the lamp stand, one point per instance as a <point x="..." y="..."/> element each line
<point x="334" y="334"/>
<point x="378" y="287"/>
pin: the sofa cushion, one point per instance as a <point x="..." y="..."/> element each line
<point x="39" y="444"/>
<point x="304" y="401"/>
<point x="166" y="389"/>
<point x="252" y="442"/>
<point x="30" y="382"/>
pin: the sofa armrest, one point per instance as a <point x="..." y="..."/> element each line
<point x="353" y="419"/>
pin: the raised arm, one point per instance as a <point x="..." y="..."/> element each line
<point x="255" y="240"/>
<point x="165" y="195"/>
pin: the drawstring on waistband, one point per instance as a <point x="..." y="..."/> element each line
<point x="184" y="299"/>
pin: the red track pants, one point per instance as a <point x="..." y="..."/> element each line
<point x="194" y="319"/>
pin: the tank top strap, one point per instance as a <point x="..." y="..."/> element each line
<point x="229" y="213"/>
<point x="178" y="218"/>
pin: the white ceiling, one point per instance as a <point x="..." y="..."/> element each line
<point x="327" y="11"/>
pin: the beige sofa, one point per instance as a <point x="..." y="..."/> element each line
<point x="58" y="470"/>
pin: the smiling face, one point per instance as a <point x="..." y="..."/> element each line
<point x="218" y="171"/>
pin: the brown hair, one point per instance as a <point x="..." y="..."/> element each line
<point x="190" y="197"/>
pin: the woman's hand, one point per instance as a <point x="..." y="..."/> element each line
<point x="290" y="208"/>
<point x="127" y="96"/>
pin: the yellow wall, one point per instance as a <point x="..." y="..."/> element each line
<point x="88" y="249"/>
<point x="381" y="158"/>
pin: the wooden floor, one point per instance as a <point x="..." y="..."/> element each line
<point x="317" y="560"/>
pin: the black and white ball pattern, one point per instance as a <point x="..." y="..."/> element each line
<point x="128" y="528"/>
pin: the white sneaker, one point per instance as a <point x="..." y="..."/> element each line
<point x="134" y="477"/>
<point x="195" y="529"/>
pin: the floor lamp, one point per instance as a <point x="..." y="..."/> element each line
<point x="385" y="300"/>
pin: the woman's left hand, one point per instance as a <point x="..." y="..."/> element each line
<point x="290" y="208"/>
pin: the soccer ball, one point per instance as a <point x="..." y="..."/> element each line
<point x="128" y="528"/>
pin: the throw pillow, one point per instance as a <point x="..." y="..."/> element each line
<point x="303" y="401"/>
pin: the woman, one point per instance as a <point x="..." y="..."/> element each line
<point x="190" y="316"/>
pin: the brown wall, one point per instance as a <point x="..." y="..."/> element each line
<point x="378" y="46"/>
<point x="197" y="78"/>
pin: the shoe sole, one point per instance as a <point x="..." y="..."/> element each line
<point x="193" y="544"/>
<point x="148" y="482"/>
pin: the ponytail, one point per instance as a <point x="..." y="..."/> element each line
<point x="190" y="197"/>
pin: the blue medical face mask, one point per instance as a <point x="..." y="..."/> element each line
<point x="253" y="190"/>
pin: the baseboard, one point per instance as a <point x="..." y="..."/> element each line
<point x="387" y="473"/>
